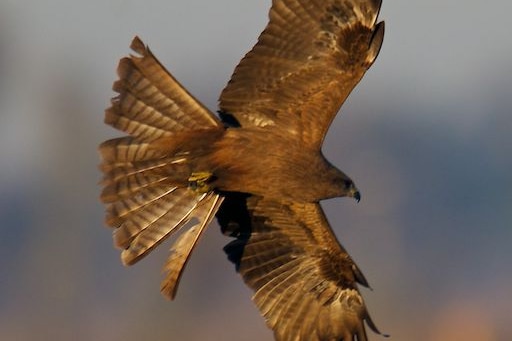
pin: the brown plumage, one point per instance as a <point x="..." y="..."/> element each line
<point x="304" y="280"/>
<point x="259" y="168"/>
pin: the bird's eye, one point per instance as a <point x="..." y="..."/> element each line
<point x="347" y="183"/>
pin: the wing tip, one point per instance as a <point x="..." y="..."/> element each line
<point x="372" y="325"/>
<point x="376" y="43"/>
<point x="377" y="5"/>
<point x="359" y="276"/>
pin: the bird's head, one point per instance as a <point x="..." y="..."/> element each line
<point x="341" y="185"/>
<point x="350" y="190"/>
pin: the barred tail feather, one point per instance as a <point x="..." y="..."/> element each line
<point x="182" y="248"/>
<point x="151" y="103"/>
<point x="145" y="174"/>
<point x="127" y="148"/>
<point x="156" y="222"/>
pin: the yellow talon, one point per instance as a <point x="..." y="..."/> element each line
<point x="198" y="181"/>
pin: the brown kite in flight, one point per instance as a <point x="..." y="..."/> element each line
<point x="258" y="168"/>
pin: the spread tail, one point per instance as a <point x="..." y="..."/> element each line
<point x="147" y="184"/>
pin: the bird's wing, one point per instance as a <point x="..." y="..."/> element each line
<point x="306" y="62"/>
<point x="304" y="280"/>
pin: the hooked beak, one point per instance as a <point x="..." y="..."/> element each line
<point x="357" y="196"/>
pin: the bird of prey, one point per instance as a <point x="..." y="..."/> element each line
<point x="257" y="165"/>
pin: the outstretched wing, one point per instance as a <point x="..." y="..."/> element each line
<point x="304" y="280"/>
<point x="306" y="62"/>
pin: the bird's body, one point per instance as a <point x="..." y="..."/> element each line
<point x="228" y="154"/>
<point x="258" y="168"/>
<point x="275" y="174"/>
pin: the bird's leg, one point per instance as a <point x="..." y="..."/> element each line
<point x="198" y="181"/>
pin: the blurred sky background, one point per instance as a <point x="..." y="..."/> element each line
<point x="426" y="136"/>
